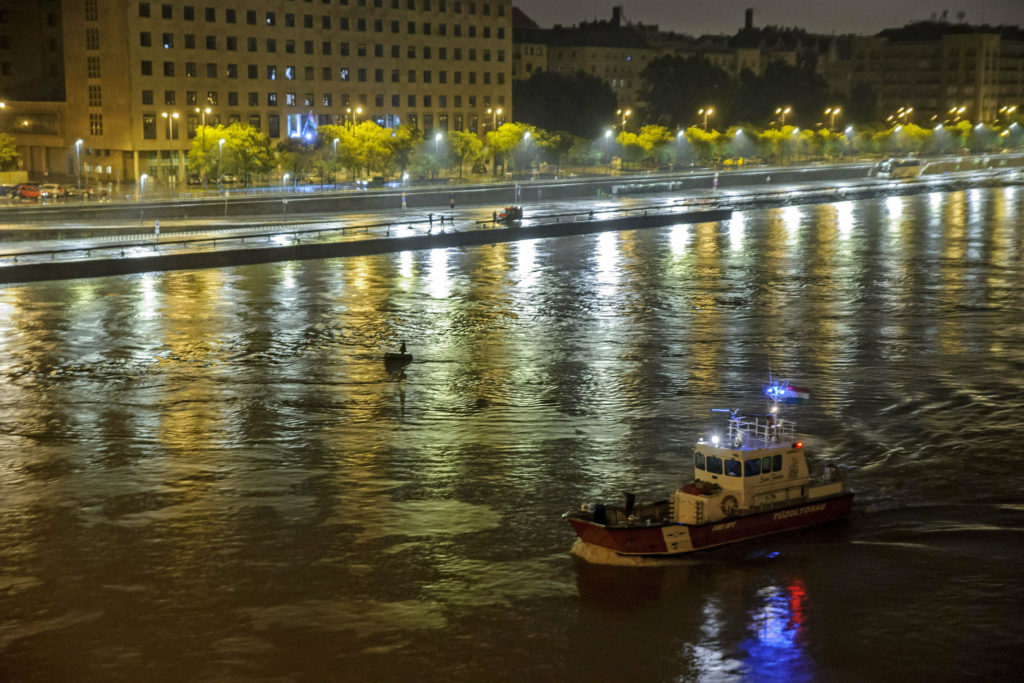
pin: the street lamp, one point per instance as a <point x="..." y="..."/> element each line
<point x="833" y="112"/>
<point x="625" y="114"/>
<point x="495" y="113"/>
<point x="202" y="113"/>
<point x="78" y="165"/>
<point x="142" y="186"/>
<point x="353" y="115"/>
<point x="437" y="144"/>
<point x="903" y="113"/>
<point x="220" y="159"/>
<point x="706" y="112"/>
<point x="781" y="112"/>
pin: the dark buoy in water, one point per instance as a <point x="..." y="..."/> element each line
<point x="399" y="359"/>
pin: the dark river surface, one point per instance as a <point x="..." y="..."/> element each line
<point x="210" y="475"/>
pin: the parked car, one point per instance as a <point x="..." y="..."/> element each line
<point x="83" y="193"/>
<point x="28" y="191"/>
<point x="228" y="179"/>
<point x="52" y="191"/>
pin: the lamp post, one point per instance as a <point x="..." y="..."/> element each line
<point x="607" y="147"/>
<point x="495" y="113"/>
<point x="625" y="114"/>
<point x="781" y="112"/>
<point x="220" y="160"/>
<point x="170" y="132"/>
<point x="903" y="113"/>
<point x="78" y="165"/>
<point x="1007" y="111"/>
<point x="437" y="144"/>
<point x="833" y="112"/>
<point x="202" y="114"/>
<point x="706" y="112"/>
<point x="349" y="113"/>
<point x="142" y="186"/>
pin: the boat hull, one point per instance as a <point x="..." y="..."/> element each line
<point x="665" y="540"/>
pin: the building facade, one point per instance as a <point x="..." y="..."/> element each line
<point x="936" y="67"/>
<point x="142" y="76"/>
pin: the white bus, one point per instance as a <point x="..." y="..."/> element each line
<point x="899" y="168"/>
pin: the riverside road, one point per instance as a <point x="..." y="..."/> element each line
<point x="67" y="241"/>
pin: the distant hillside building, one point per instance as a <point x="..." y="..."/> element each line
<point x="936" y="66"/>
<point x="609" y="49"/>
<point x="617" y="51"/>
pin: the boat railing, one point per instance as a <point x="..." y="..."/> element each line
<point x="760" y="428"/>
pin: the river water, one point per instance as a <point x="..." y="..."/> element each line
<point x="210" y="475"/>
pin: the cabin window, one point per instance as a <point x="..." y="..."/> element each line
<point x="766" y="464"/>
<point x="753" y="467"/>
<point x="698" y="460"/>
<point x="733" y="468"/>
<point x="714" y="464"/>
<point x="777" y="463"/>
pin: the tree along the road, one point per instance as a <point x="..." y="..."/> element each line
<point x="8" y="152"/>
<point x="466" y="147"/>
<point x="579" y="103"/>
<point x="506" y="141"/>
<point x="245" y="152"/>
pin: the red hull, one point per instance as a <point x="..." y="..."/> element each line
<point x="652" y="540"/>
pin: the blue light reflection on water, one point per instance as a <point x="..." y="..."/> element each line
<point x="775" y="651"/>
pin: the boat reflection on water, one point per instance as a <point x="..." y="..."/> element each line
<point x="722" y="626"/>
<point x="775" y="650"/>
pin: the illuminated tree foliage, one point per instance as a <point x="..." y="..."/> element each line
<point x="8" y="152"/>
<point x="466" y="148"/>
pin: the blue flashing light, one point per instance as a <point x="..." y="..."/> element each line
<point x="776" y="391"/>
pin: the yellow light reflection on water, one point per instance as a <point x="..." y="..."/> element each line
<point x="737" y="227"/>
<point x="679" y="239"/>
<point x="405" y="269"/>
<point x="791" y="216"/>
<point x="439" y="283"/>
<point x="526" y="255"/>
<point x="288" y="275"/>
<point x="844" y="219"/>
<point x="607" y="257"/>
<point x="149" y="297"/>
<point x="894" y="209"/>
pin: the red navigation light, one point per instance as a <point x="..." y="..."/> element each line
<point x="798" y="444"/>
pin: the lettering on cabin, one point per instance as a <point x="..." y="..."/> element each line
<point x="723" y="527"/>
<point x="786" y="514"/>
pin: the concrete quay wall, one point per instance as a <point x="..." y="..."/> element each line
<point x="223" y="257"/>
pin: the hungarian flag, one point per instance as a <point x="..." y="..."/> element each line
<point x="786" y="392"/>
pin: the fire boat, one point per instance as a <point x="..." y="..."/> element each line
<point x="750" y="478"/>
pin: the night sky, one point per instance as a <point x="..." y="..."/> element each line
<point x="818" y="16"/>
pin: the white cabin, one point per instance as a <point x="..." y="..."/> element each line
<point x="757" y="465"/>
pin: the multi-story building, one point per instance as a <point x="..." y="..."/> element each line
<point x="617" y="51"/>
<point x="611" y="50"/>
<point x="142" y="76"/>
<point x="936" y="66"/>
